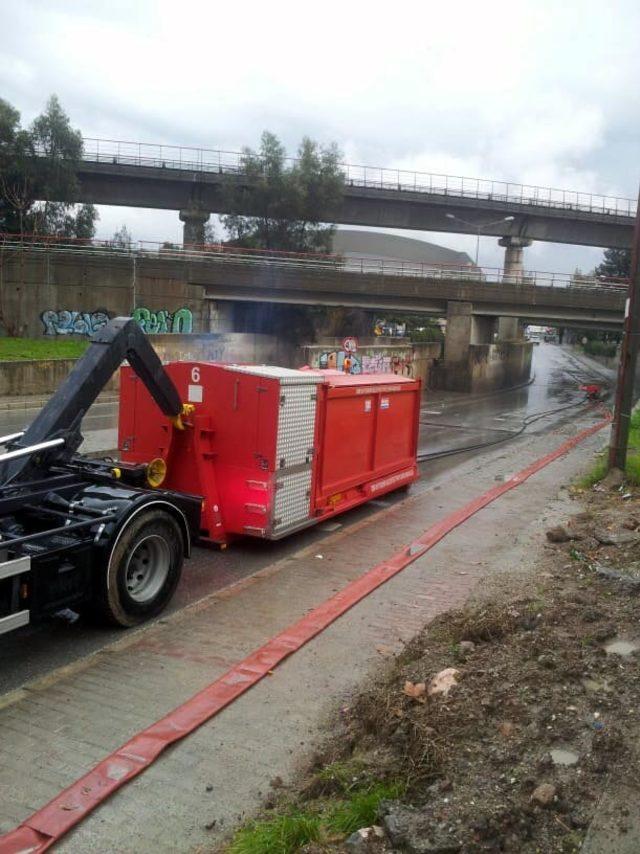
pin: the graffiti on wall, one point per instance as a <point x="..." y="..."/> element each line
<point x="66" y="322"/>
<point x="73" y="322"/>
<point x="335" y="360"/>
<point x="156" y="322"/>
<point x="369" y="363"/>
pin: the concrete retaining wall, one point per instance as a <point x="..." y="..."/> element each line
<point x="488" y="367"/>
<point x="43" y="377"/>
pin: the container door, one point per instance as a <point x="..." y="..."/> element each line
<point x="395" y="434"/>
<point x="348" y="442"/>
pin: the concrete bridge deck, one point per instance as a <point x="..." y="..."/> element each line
<point x="178" y="178"/>
<point x="232" y="275"/>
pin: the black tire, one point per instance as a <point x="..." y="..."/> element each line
<point x="143" y="569"/>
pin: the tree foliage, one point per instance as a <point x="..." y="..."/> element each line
<point x="616" y="263"/>
<point x="38" y="183"/>
<point x="121" y="238"/>
<point x="292" y="201"/>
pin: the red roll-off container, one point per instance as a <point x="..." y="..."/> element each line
<point x="272" y="450"/>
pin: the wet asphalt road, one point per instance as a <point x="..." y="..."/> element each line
<point x="449" y="421"/>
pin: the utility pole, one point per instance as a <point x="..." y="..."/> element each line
<point x="628" y="359"/>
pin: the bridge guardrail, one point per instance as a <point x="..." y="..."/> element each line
<point x="222" y="253"/>
<point x="213" y="160"/>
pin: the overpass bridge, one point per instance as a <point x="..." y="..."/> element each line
<point x="193" y="181"/>
<point x="224" y="274"/>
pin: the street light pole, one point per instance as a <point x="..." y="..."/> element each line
<point x="619" y="441"/>
<point x="478" y="228"/>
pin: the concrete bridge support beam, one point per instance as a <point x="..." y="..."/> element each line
<point x="460" y="322"/>
<point x="464" y="329"/>
<point x="473" y="360"/>
<point x="514" y="257"/>
<point x="508" y="329"/>
<point x="482" y="329"/>
<point x="220" y="316"/>
<point x="194" y="221"/>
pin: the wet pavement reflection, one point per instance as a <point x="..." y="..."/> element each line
<point x="455" y="420"/>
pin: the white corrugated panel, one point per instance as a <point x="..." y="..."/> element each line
<point x="296" y="425"/>
<point x="292" y="500"/>
<point x="287" y="376"/>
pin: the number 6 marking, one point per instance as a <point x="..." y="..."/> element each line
<point x="195" y="375"/>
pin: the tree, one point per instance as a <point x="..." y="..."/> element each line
<point x="122" y="238"/>
<point x="38" y="182"/>
<point x="616" y="263"/>
<point x="209" y="233"/>
<point x="16" y="151"/>
<point x="294" y="202"/>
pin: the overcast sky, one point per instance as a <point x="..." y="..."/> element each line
<point x="536" y="91"/>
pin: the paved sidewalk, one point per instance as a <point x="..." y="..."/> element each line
<point x="57" y="729"/>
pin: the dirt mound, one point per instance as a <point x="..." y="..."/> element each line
<point x="515" y="756"/>
<point x="540" y="708"/>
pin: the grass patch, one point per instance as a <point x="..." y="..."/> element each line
<point x="361" y="808"/>
<point x="282" y="834"/>
<point x="18" y="349"/>
<point x="328" y="820"/>
<point x="595" y="473"/>
<point x="632" y="472"/>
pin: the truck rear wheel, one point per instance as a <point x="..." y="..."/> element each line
<point x="143" y="569"/>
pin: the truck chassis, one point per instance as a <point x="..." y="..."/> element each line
<point x="90" y="534"/>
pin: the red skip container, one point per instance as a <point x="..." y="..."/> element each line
<point x="272" y="450"/>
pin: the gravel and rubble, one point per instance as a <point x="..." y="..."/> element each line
<point x="540" y="713"/>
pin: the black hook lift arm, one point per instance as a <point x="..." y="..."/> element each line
<point x="62" y="415"/>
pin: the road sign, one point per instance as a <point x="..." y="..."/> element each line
<point x="350" y="344"/>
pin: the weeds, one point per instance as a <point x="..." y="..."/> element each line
<point x="287" y="832"/>
<point x="632" y="470"/>
<point x="282" y="834"/>
<point x="484" y="624"/>
<point x="361" y="808"/>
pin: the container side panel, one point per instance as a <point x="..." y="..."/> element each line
<point x="395" y="429"/>
<point x="347" y="452"/>
<point x="143" y="431"/>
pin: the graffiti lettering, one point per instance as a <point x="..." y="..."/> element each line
<point x="376" y="364"/>
<point x="156" y="322"/>
<point x="73" y="322"/>
<point x="66" y="322"/>
<point x="369" y="363"/>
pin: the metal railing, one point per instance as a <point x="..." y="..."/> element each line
<point x="225" y="254"/>
<point x="184" y="158"/>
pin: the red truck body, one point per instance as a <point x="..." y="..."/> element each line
<point x="272" y="450"/>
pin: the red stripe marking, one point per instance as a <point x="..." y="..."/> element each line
<point x="51" y="822"/>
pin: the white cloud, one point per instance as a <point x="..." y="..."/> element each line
<point x="528" y="90"/>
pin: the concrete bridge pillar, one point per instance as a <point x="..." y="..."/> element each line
<point x="482" y="329"/>
<point x="220" y="316"/>
<point x="459" y="330"/>
<point x="464" y="329"/>
<point x="194" y="221"/>
<point x="514" y="257"/>
<point x="508" y="329"/>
